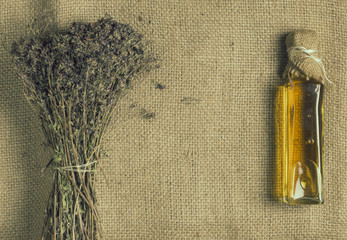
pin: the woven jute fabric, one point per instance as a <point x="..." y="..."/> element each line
<point x="203" y="166"/>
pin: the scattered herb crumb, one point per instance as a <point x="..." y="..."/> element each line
<point x="160" y="86"/>
<point x="133" y="105"/>
<point x="190" y="100"/>
<point x="146" y="114"/>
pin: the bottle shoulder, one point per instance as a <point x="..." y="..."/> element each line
<point x="292" y="82"/>
<point x="301" y="79"/>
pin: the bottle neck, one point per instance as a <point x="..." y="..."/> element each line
<point x="301" y="78"/>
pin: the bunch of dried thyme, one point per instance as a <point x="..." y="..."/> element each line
<point x="73" y="80"/>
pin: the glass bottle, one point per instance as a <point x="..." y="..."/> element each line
<point x="299" y="142"/>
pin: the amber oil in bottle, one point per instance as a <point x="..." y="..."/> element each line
<point x="299" y="127"/>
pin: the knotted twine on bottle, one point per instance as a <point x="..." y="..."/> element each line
<point x="304" y="59"/>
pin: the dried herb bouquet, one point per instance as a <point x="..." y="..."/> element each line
<point x="74" y="79"/>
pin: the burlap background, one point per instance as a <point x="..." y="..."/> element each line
<point x="203" y="167"/>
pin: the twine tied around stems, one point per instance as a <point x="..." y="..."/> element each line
<point x="78" y="168"/>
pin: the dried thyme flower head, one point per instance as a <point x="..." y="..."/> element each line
<point x="89" y="65"/>
<point x="74" y="80"/>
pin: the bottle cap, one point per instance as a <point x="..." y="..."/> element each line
<point x="304" y="59"/>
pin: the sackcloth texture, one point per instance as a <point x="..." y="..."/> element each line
<point x="203" y="166"/>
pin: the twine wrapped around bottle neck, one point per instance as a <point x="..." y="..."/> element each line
<point x="304" y="60"/>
